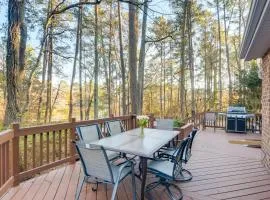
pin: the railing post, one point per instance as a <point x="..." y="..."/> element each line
<point x="151" y="120"/>
<point x="15" y="153"/>
<point x="134" y="121"/>
<point x="72" y="138"/>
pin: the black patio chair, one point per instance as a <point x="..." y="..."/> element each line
<point x="168" y="171"/>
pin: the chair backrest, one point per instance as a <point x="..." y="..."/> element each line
<point x="165" y="124"/>
<point x="95" y="162"/>
<point x="192" y="136"/>
<point x="89" y="133"/>
<point x="180" y="157"/>
<point x="114" y="127"/>
<point x="187" y="151"/>
<point x="210" y="116"/>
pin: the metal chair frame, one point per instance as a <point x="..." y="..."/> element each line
<point x="108" y="167"/>
<point x="172" y="156"/>
<point x="80" y="133"/>
<point x="109" y="131"/>
<point x="99" y="136"/>
<point x="176" y="174"/>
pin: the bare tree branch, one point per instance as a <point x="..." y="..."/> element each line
<point x="57" y="11"/>
<point x="135" y="4"/>
<point x="159" y="39"/>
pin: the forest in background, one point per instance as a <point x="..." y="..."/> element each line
<point x="91" y="59"/>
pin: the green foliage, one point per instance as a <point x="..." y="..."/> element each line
<point x="178" y="123"/>
<point x="251" y="86"/>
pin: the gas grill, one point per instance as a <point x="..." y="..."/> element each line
<point x="237" y="119"/>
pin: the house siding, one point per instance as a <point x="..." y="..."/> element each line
<point x="266" y="111"/>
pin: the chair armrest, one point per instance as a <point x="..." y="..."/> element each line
<point x="126" y="164"/>
<point x="167" y="148"/>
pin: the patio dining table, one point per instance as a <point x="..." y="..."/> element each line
<point x="131" y="142"/>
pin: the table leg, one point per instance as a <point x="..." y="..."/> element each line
<point x="144" y="173"/>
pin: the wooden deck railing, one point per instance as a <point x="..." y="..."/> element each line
<point x="25" y="152"/>
<point x="254" y="124"/>
<point x="6" y="168"/>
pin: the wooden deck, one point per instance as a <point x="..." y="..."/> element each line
<point x="220" y="171"/>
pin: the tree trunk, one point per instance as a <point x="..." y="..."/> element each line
<point x="15" y="58"/>
<point x="105" y="65"/>
<point x="142" y="59"/>
<point x="227" y="53"/>
<point x="44" y="70"/>
<point x="48" y="111"/>
<point x="70" y="115"/>
<point x="44" y="50"/>
<point x="219" y="59"/>
<point x="182" y="66"/>
<point x="160" y="84"/>
<point x="123" y="67"/>
<point x="56" y="96"/>
<point x="89" y="101"/>
<point x="80" y="61"/>
<point x="96" y="68"/>
<point x="164" y="80"/>
<point x="133" y="56"/>
<point x="171" y="79"/>
<point x="191" y="61"/>
<point x="110" y="63"/>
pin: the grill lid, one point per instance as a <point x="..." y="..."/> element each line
<point x="236" y="110"/>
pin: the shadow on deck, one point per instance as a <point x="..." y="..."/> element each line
<point x="220" y="171"/>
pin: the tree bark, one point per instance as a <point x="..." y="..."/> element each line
<point x="133" y="37"/>
<point x="80" y="62"/>
<point x="15" y="58"/>
<point x="160" y="84"/>
<point x="219" y="58"/>
<point x="191" y="60"/>
<point x="48" y="110"/>
<point x="182" y="66"/>
<point x="96" y="68"/>
<point x="110" y="63"/>
<point x="44" y="70"/>
<point x="123" y="67"/>
<point x="227" y="53"/>
<point x="142" y="59"/>
<point x="70" y="115"/>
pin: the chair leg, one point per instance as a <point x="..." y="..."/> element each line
<point x="95" y="189"/>
<point x="115" y="190"/>
<point x="106" y="189"/>
<point x="133" y="183"/>
<point x="184" y="176"/>
<point x="171" y="195"/>
<point x="79" y="188"/>
<point x="152" y="185"/>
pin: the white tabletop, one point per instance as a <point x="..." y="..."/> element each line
<point x="131" y="142"/>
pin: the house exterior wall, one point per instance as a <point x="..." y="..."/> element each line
<point x="266" y="110"/>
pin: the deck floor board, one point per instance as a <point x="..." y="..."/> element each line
<point x="220" y="171"/>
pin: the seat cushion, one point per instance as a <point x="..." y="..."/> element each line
<point x="163" y="167"/>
